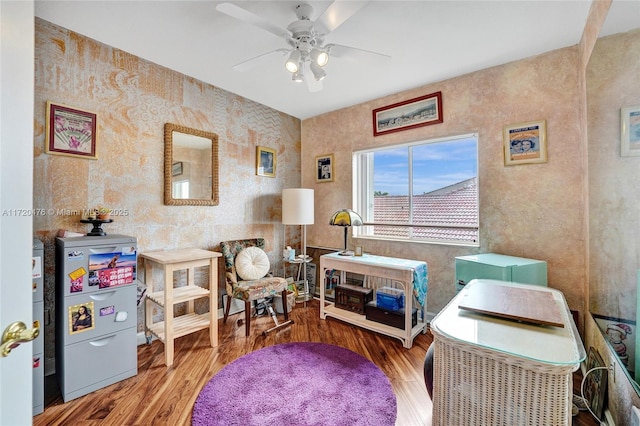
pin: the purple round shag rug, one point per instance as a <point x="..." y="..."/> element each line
<point x="297" y="384"/>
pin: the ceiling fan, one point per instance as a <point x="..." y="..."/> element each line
<point x="306" y="54"/>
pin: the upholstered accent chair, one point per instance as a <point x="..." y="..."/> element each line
<point x="253" y="282"/>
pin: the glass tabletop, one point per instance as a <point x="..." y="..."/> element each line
<point x="543" y="343"/>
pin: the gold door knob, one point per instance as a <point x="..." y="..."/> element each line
<point x="15" y="334"/>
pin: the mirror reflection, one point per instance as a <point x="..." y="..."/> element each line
<point x="614" y="222"/>
<point x="191" y="166"/>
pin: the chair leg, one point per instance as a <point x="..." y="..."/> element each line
<point x="287" y="322"/>
<point x="247" y="317"/>
<point x="284" y="304"/>
<point x="226" y="309"/>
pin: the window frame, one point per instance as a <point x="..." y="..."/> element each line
<point x="363" y="194"/>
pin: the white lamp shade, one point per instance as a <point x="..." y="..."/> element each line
<point x="297" y="206"/>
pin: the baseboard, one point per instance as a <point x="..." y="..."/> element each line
<point x="141" y="338"/>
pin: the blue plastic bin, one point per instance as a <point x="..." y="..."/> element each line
<point x="390" y="298"/>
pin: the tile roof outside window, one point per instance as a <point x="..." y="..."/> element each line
<point x="453" y="205"/>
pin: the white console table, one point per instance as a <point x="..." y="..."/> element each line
<point x="411" y="274"/>
<point x="493" y="370"/>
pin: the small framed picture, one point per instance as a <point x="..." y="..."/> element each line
<point x="630" y="131"/>
<point x="324" y="168"/>
<point x="596" y="383"/>
<point x="265" y="162"/>
<point x="70" y="131"/>
<point x="358" y="251"/>
<point x="525" y="143"/>
<point x="176" y="168"/>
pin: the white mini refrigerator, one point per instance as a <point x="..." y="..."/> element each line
<point x="96" y="319"/>
<point x="500" y="267"/>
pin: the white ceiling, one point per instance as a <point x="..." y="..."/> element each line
<point x="428" y="41"/>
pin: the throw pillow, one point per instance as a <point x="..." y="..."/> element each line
<point x="252" y="263"/>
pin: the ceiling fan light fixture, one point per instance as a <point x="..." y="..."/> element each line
<point x="319" y="56"/>
<point x="318" y="73"/>
<point x="304" y="38"/>
<point x="298" y="76"/>
<point x="292" y="64"/>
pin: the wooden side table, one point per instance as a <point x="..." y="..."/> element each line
<point x="494" y="370"/>
<point x="172" y="328"/>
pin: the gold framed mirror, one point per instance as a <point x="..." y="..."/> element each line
<point x="190" y="166"/>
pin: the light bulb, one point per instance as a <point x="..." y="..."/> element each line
<point x="319" y="56"/>
<point x="318" y="73"/>
<point x="292" y="63"/>
<point x="298" y="76"/>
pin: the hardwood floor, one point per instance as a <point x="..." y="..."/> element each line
<point x="165" y="396"/>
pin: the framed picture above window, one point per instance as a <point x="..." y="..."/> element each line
<point x="70" y="131"/>
<point x="416" y="112"/>
<point x="324" y="168"/>
<point x="265" y="161"/>
<point x="525" y="143"/>
<point x="630" y="131"/>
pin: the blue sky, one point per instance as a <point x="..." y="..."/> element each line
<point x="435" y="166"/>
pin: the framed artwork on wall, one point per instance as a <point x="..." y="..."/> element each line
<point x="176" y="168"/>
<point x="417" y="112"/>
<point x="265" y="162"/>
<point x="324" y="168"/>
<point x="595" y="388"/>
<point x="525" y="143"/>
<point x="630" y="131"/>
<point x="70" y="131"/>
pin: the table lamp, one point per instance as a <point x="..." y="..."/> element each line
<point x="345" y="218"/>
<point x="298" y="209"/>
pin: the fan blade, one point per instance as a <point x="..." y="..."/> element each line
<point x="336" y="14"/>
<point x="251" y="18"/>
<point x="340" y="51"/>
<point x="255" y="61"/>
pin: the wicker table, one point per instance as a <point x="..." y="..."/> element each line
<point x="410" y="274"/>
<point x="496" y="371"/>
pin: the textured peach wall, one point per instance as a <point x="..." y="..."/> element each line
<point x="133" y="99"/>
<point x="534" y="211"/>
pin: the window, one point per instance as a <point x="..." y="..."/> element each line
<point x="423" y="191"/>
<point x="181" y="189"/>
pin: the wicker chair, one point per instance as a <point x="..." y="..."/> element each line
<point x="253" y="290"/>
